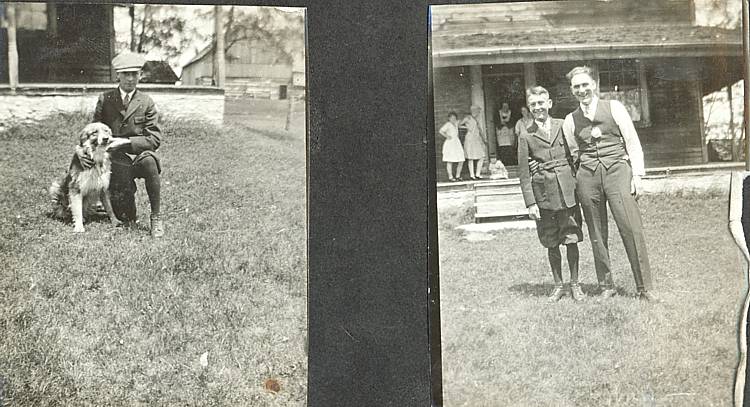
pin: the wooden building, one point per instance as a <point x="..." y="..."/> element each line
<point x="62" y="61"/>
<point x="648" y="54"/>
<point x="253" y="69"/>
<point x="61" y="43"/>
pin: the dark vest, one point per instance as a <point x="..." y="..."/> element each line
<point x="610" y="148"/>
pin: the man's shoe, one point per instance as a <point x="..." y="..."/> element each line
<point x="157" y="227"/>
<point x="608" y="293"/>
<point x="648" y="296"/>
<point x="558" y="293"/>
<point x="576" y="292"/>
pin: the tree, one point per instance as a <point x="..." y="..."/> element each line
<point x="269" y="27"/>
<point x="158" y="28"/>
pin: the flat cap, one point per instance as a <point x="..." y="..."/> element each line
<point x="128" y="62"/>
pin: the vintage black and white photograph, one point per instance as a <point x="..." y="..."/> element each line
<point x="583" y="156"/>
<point x="152" y="230"/>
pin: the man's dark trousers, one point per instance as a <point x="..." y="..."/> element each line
<point x="602" y="186"/>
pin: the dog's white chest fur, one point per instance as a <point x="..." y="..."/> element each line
<point x="94" y="180"/>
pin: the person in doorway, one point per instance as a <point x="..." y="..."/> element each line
<point x="504" y="115"/>
<point x="453" y="152"/>
<point x="475" y="143"/>
<point x="524" y="122"/>
<point x="132" y="117"/>
<point x="548" y="188"/>
<point x="504" y="135"/>
<point x="609" y="159"/>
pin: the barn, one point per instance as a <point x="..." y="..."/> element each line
<point x="254" y="69"/>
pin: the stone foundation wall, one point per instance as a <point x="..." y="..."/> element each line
<point x="34" y="102"/>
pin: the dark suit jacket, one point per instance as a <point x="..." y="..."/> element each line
<point x="551" y="188"/>
<point x="138" y="122"/>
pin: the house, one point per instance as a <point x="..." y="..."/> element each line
<point x="650" y="55"/>
<point x="61" y="43"/>
<point x="64" y="53"/>
<point x="254" y="69"/>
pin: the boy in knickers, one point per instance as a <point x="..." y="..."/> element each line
<point x="548" y="185"/>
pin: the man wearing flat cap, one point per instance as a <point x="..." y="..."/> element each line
<point x="132" y="116"/>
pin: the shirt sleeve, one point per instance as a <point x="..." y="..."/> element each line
<point x="632" y="142"/>
<point x="568" y="128"/>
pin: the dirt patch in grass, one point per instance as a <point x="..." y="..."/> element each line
<point x="113" y="317"/>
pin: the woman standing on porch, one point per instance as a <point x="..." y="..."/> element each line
<point x="453" y="152"/>
<point x="475" y="144"/>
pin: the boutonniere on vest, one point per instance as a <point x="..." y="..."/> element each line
<point x="596" y="133"/>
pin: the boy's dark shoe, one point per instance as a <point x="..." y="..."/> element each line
<point x="576" y="292"/>
<point x="558" y="293"/>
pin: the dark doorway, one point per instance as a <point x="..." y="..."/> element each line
<point x="504" y="85"/>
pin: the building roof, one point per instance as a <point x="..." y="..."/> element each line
<point x="208" y="49"/>
<point x="158" y="72"/>
<point x="581" y="43"/>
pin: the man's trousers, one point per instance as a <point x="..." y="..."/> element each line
<point x="611" y="186"/>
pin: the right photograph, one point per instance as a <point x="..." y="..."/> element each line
<point x="583" y="156"/>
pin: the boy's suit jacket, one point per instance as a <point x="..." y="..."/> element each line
<point x="553" y="185"/>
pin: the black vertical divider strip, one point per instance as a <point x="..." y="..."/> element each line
<point x="368" y="319"/>
<point x="433" y="249"/>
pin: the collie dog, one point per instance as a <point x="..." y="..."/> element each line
<point x="80" y="188"/>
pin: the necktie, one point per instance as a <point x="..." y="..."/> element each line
<point x="126" y="102"/>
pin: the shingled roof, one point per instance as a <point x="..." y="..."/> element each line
<point x="578" y="43"/>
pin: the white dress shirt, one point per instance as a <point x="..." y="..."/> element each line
<point x="128" y="94"/>
<point x="622" y="118"/>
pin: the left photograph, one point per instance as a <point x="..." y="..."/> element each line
<point x="152" y="205"/>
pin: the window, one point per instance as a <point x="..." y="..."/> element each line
<point x="617" y="75"/>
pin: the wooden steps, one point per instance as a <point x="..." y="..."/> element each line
<point x="498" y="199"/>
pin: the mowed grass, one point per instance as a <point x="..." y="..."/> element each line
<point x="504" y="345"/>
<point x="113" y="317"/>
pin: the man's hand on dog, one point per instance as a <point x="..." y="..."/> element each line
<point x="118" y="143"/>
<point x="86" y="161"/>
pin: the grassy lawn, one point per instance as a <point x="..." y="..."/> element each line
<point x="114" y="317"/>
<point x="504" y="345"/>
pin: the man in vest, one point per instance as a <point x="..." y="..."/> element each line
<point x="606" y="149"/>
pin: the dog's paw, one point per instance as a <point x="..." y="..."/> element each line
<point x="79" y="229"/>
<point x="116" y="222"/>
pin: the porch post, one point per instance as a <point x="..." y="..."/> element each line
<point x="10" y="23"/>
<point x="701" y="119"/>
<point x="643" y="85"/>
<point x="732" y="148"/>
<point x="477" y="93"/>
<point x="529" y="74"/>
